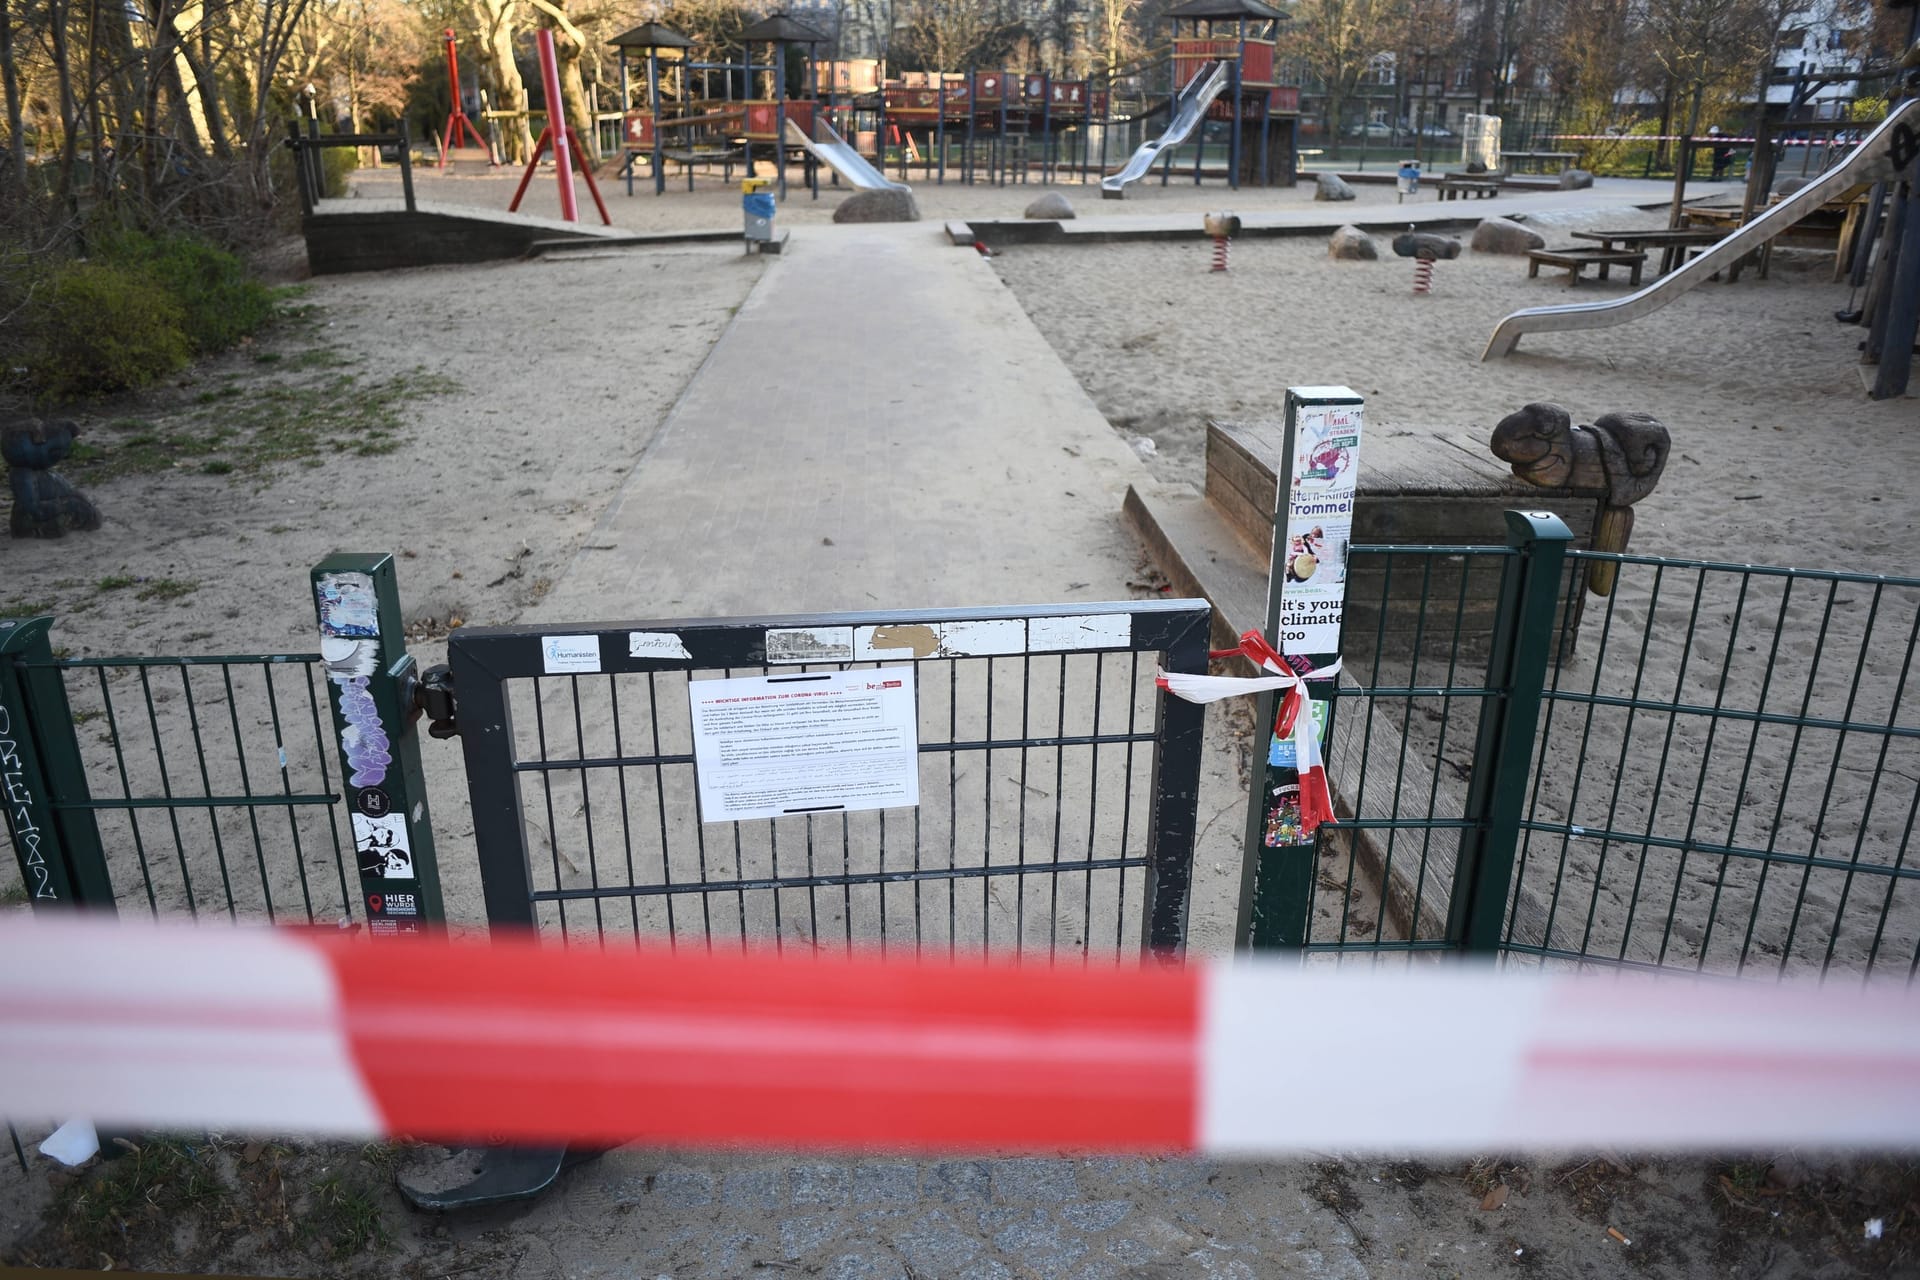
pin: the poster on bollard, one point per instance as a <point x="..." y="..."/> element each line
<point x="1318" y="480"/>
<point x="1310" y="564"/>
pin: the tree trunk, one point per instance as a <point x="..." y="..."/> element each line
<point x="10" y="83"/>
<point x="496" y="20"/>
<point x="573" y="91"/>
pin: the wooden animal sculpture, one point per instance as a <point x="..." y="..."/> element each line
<point x="1622" y="453"/>
<point x="44" y="505"/>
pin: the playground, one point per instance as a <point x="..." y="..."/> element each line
<point x="882" y="418"/>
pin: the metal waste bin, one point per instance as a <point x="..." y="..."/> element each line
<point x="756" y="208"/>
<point x="1409" y="179"/>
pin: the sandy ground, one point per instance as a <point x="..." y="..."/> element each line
<point x="1778" y="458"/>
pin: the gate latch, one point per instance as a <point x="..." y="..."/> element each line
<point x="434" y="696"/>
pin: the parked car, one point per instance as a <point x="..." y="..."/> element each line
<point x="1375" y="131"/>
<point x="1431" y="130"/>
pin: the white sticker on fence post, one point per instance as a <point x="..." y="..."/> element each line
<point x="831" y="742"/>
<point x="1313" y="567"/>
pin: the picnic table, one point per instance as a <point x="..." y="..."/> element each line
<point x="1579" y="257"/>
<point x="1676" y="244"/>
<point x="1523" y="161"/>
<point x="1458" y="186"/>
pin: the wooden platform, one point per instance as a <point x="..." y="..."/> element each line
<point x="1418" y="486"/>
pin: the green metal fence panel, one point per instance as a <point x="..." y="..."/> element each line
<point x="207" y="779"/>
<point x="1731" y="783"/>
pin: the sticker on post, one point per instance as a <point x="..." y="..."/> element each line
<point x="654" y="644"/>
<point x="381" y="847"/>
<point x="810" y="644"/>
<point x="348" y="606"/>
<point x="570" y="655"/>
<point x="771" y="746"/>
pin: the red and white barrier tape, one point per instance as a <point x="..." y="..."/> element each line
<point x="1316" y="795"/>
<point x="282" y="1031"/>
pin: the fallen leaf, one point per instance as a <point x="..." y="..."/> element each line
<point x="1494" y="1198"/>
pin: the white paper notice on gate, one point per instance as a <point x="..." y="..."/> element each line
<point x="833" y="742"/>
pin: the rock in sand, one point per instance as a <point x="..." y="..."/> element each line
<point x="1331" y="186"/>
<point x="1052" y="206"/>
<point x="1504" y="235"/>
<point x="1351" y="244"/>
<point x="878" y="206"/>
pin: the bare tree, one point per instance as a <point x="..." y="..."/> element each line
<point x="1335" y="42"/>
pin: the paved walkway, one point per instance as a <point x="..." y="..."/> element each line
<point x="881" y="426"/>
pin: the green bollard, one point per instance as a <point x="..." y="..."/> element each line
<point x="372" y="676"/>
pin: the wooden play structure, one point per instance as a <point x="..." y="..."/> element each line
<point x="996" y="125"/>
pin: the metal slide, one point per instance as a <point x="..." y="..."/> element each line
<point x="830" y="149"/>
<point x="1887" y="148"/>
<point x="1191" y="105"/>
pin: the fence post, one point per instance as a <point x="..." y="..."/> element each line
<point x="363" y="646"/>
<point x="1523" y="639"/>
<point x="1181" y="729"/>
<point x="61" y="859"/>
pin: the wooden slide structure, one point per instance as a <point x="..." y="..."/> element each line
<point x="1880" y="156"/>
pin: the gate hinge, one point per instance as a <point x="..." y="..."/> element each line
<point x="434" y="697"/>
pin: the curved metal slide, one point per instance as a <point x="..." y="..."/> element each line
<point x="1878" y="156"/>
<point x="1191" y="105"/>
<point x="830" y="149"/>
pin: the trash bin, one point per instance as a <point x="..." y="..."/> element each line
<point x="1409" y="179"/>
<point x="756" y="208"/>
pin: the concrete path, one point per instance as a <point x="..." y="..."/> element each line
<point x="881" y="426"/>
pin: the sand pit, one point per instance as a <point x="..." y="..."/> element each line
<point x="1779" y="458"/>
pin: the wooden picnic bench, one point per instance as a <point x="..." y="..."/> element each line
<point x="1458" y="186"/>
<point x="1676" y="244"/>
<point x="1579" y="257"/>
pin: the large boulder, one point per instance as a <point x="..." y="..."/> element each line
<point x="1504" y="235"/>
<point x="1330" y="186"/>
<point x="1575" y="180"/>
<point x="1052" y="207"/>
<point x="885" y="205"/>
<point x="1787" y="186"/>
<point x="1351" y="244"/>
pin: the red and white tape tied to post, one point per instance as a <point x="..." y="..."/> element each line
<point x="1316" y="795"/>
<point x="306" y="1032"/>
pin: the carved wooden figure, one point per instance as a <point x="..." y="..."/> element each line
<point x="44" y="504"/>
<point x="1624" y="453"/>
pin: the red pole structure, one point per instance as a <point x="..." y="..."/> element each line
<point x="557" y="130"/>
<point x="457" y="117"/>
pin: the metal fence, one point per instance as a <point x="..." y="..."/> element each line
<point x="1717" y="769"/>
<point x="1057" y="786"/>
<point x="186" y="785"/>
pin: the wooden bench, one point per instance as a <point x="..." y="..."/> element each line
<point x="1578" y="258"/>
<point x="1457" y="186"/>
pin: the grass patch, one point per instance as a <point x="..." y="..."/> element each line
<point x="152" y="1184"/>
<point x="167" y="589"/>
<point x="345" y="1218"/>
<point x="249" y="429"/>
<point x="13" y="895"/>
<point x="117" y="582"/>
